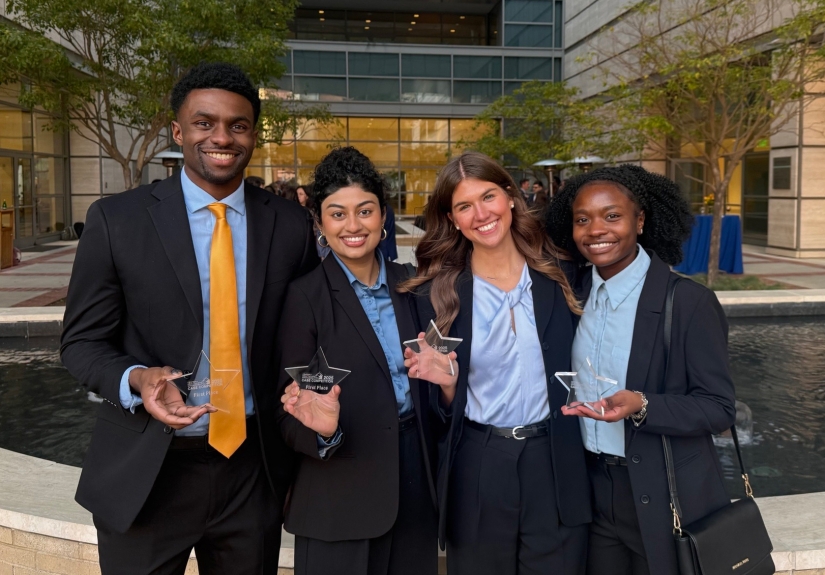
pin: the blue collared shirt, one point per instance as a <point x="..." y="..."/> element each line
<point x="604" y="335"/>
<point x="377" y="305"/>
<point x="507" y="381"/>
<point x="201" y="226"/>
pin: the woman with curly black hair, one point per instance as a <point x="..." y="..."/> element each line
<point x="362" y="501"/>
<point x="629" y="224"/>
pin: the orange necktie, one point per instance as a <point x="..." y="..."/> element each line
<point x="227" y="426"/>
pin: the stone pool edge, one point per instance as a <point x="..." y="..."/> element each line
<point x="45" y="531"/>
<point x="48" y="321"/>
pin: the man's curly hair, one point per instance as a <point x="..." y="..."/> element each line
<point x="668" y="219"/>
<point x="344" y="167"/>
<point x="218" y="76"/>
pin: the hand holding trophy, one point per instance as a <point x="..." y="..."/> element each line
<point x="312" y="397"/>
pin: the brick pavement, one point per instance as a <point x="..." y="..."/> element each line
<point x="42" y="278"/>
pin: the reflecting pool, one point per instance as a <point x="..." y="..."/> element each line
<point x="778" y="366"/>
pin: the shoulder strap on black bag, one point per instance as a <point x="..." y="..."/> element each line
<point x="410" y="270"/>
<point x="671" y="472"/>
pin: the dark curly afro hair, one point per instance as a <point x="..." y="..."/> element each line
<point x="668" y="219"/>
<point x="219" y="76"/>
<point x="344" y="167"/>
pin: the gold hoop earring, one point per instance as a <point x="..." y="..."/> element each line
<point x="326" y="242"/>
<point x="383" y="233"/>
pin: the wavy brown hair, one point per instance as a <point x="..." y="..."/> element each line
<point x="442" y="252"/>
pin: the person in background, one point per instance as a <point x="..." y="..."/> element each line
<point x="363" y="499"/>
<point x="630" y="225"/>
<point x="513" y="491"/>
<point x="527" y="194"/>
<point x="303" y="195"/>
<point x="166" y="473"/>
<point x="388" y="247"/>
<point x="256" y="181"/>
<point x="289" y="192"/>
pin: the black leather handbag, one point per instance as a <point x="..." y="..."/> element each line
<point x="730" y="541"/>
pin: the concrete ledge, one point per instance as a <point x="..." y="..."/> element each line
<point x="31" y="321"/>
<point x="772" y="303"/>
<point x="43" y="530"/>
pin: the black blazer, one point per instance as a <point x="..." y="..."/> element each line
<point x="135" y="298"/>
<point x="556" y="325"/>
<point x="692" y="401"/>
<point x="353" y="494"/>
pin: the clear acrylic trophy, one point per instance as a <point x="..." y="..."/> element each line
<point x="318" y="376"/>
<point x="206" y="381"/>
<point x="433" y="350"/>
<point x="585" y="387"/>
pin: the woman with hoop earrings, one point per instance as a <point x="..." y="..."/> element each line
<point x="363" y="498"/>
<point x="513" y="490"/>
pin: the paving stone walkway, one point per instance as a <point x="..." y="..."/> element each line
<point x="42" y="278"/>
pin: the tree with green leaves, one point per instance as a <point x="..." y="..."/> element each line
<point x="542" y="120"/>
<point x="105" y="68"/>
<point x="716" y="77"/>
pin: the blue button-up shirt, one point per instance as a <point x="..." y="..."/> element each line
<point x="507" y="380"/>
<point x="377" y="305"/>
<point x="201" y="226"/>
<point x="604" y="335"/>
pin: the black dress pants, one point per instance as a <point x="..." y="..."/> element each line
<point x="223" y="508"/>
<point x="616" y="546"/>
<point x="502" y="512"/>
<point x="410" y="547"/>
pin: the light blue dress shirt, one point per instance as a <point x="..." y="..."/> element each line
<point x="604" y="335"/>
<point x="507" y="381"/>
<point x="377" y="304"/>
<point x="201" y="225"/>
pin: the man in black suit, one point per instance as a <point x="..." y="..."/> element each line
<point x="199" y="261"/>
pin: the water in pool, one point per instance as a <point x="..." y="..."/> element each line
<point x="777" y="365"/>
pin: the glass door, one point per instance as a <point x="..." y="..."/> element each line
<point x="24" y="202"/>
<point x="755" y="177"/>
<point x="6" y="182"/>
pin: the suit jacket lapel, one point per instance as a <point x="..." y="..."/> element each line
<point x="406" y="328"/>
<point x="648" y="314"/>
<point x="345" y="296"/>
<point x="172" y="224"/>
<point x="544" y="296"/>
<point x="463" y="327"/>
<point x="260" y="223"/>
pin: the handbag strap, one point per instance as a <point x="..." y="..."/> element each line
<point x="675" y="507"/>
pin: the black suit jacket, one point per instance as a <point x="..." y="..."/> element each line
<point x="692" y="401"/>
<point x="353" y="494"/>
<point x="135" y="298"/>
<point x="556" y="326"/>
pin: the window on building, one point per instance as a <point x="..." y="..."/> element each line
<point x="782" y="173"/>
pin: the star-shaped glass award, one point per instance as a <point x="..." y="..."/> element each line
<point x="586" y="387"/>
<point x="318" y="376"/>
<point x="205" y="381"/>
<point x="433" y="350"/>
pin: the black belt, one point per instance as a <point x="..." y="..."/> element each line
<point x="518" y="432"/>
<point x="407" y="421"/>
<point x="201" y="442"/>
<point x="608" y="459"/>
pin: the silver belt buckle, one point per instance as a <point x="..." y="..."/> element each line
<point x="515" y="436"/>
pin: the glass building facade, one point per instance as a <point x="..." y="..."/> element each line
<point x="409" y="152"/>
<point x="33" y="171"/>
<point x="405" y="85"/>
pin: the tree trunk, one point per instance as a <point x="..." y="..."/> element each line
<point x="127" y="176"/>
<point x="716" y="234"/>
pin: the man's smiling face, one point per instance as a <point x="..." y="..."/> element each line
<point x="216" y="131"/>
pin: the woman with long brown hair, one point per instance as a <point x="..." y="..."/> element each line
<point x="512" y="485"/>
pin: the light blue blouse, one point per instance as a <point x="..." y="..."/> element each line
<point x="507" y="382"/>
<point x="604" y="335"/>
